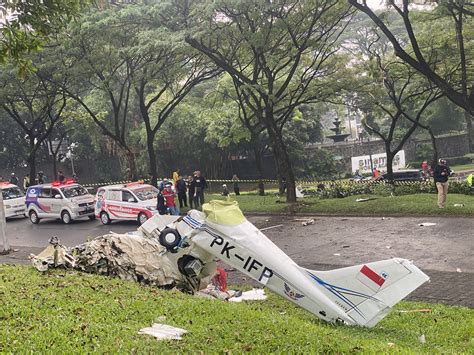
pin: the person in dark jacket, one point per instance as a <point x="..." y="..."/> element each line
<point x="181" y="190"/>
<point x="161" y="205"/>
<point x="235" y="180"/>
<point x="441" y="174"/>
<point x="200" y="184"/>
<point x="190" y="186"/>
<point x="61" y="177"/>
<point x="13" y="179"/>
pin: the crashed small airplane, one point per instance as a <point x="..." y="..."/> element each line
<point x="357" y="295"/>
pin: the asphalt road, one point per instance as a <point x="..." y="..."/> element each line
<point x="444" y="251"/>
<point x="446" y="246"/>
<point x="22" y="232"/>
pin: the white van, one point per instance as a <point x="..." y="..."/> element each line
<point x="13" y="200"/>
<point x="67" y="201"/>
<point x="134" y="201"/>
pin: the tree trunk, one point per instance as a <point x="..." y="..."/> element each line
<point x="152" y="158"/>
<point x="258" y="161"/>
<point x="284" y="164"/>
<point x="131" y="164"/>
<point x="55" y="171"/>
<point x="390" y="156"/>
<point x="435" y="149"/>
<point x="32" y="161"/>
<point x="470" y="131"/>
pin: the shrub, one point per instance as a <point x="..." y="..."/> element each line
<point x="458" y="187"/>
<point x="382" y="189"/>
<point x="340" y="190"/>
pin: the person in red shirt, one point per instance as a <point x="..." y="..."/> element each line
<point x="169" y="196"/>
<point x="376" y="173"/>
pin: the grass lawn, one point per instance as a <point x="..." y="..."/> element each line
<point x="462" y="167"/>
<point x="417" y="204"/>
<point x="71" y="312"/>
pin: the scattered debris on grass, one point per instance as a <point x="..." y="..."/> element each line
<point x="427" y="310"/>
<point x="255" y="294"/>
<point x="459" y="205"/>
<point x="365" y="199"/>
<point x="308" y="222"/>
<point x="163" y="332"/>
<point x="271" y="227"/>
<point x="422" y="339"/>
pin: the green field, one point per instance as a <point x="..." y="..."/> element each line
<point x="416" y="204"/>
<point x="70" y="312"/>
<point x="464" y="167"/>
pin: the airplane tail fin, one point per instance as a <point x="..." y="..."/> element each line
<point x="367" y="292"/>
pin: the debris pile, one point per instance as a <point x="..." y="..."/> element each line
<point x="129" y="257"/>
<point x="132" y="257"/>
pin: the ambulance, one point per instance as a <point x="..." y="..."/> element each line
<point x="67" y="201"/>
<point x="13" y="200"/>
<point x="135" y="201"/>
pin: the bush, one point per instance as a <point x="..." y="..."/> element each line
<point x="466" y="159"/>
<point x="340" y="190"/>
<point x="382" y="189"/>
<point x="457" y="187"/>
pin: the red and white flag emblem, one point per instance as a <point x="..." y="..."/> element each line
<point x="370" y="278"/>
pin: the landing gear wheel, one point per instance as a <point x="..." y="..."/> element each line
<point x="142" y="218"/>
<point x="170" y="238"/>
<point x="92" y="217"/>
<point x="104" y="218"/>
<point x="66" y="217"/>
<point x="34" y="217"/>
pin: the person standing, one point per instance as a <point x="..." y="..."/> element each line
<point x="41" y="178"/>
<point x="191" y="191"/>
<point x="376" y="173"/>
<point x="441" y="174"/>
<point x="61" y="177"/>
<point x="180" y="187"/>
<point x="26" y="182"/>
<point x="175" y="176"/>
<point x="169" y="196"/>
<point x="225" y="191"/>
<point x="13" y="179"/>
<point x="200" y="184"/>
<point x="235" y="180"/>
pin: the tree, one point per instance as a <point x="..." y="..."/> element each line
<point x="93" y="57"/>
<point x="394" y="105"/>
<point x="55" y="142"/>
<point x="453" y="75"/>
<point x="280" y="55"/>
<point x="28" y="24"/>
<point x="164" y="72"/>
<point x="35" y="105"/>
<point x="13" y="151"/>
<point x="233" y="125"/>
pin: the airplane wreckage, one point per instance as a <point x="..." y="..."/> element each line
<point x="181" y="251"/>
